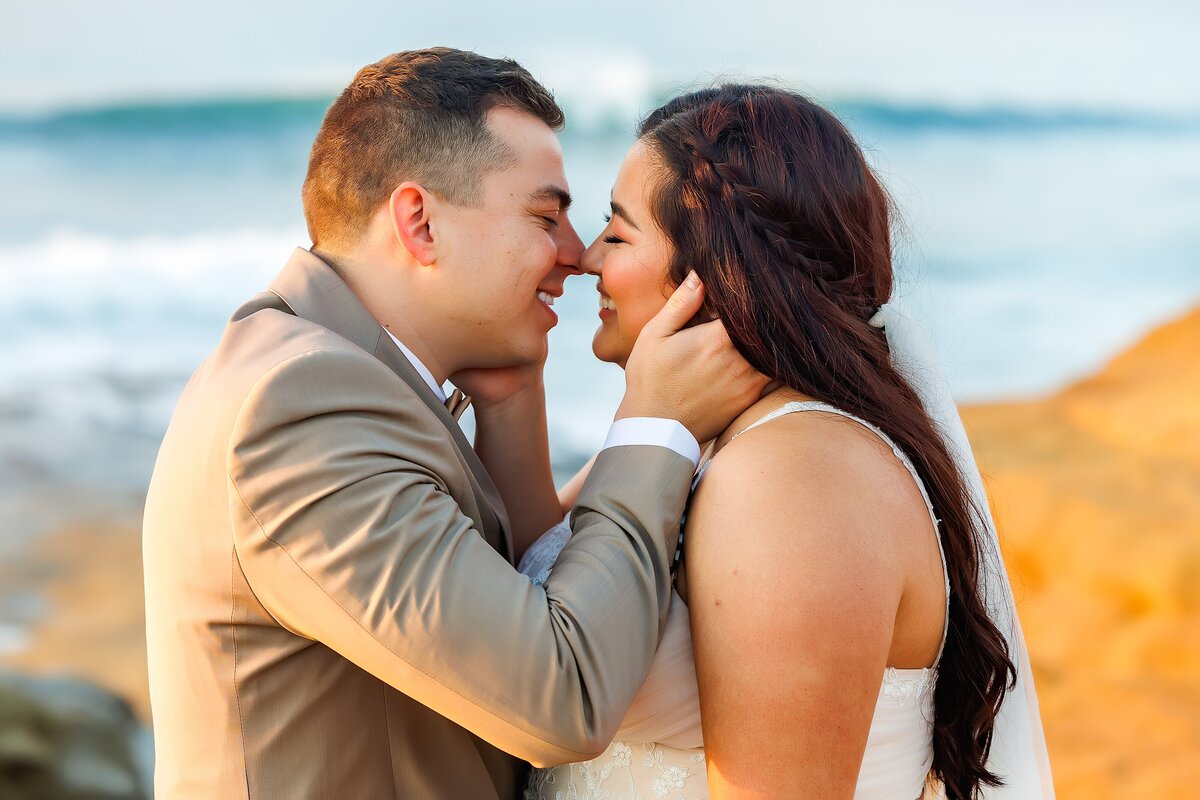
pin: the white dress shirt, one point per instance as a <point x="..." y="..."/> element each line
<point x="421" y="369"/>
<point x="668" y="433"/>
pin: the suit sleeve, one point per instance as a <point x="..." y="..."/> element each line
<point x="347" y="533"/>
<point x="667" y="706"/>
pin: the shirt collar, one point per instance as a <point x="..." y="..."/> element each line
<point x="421" y="369"/>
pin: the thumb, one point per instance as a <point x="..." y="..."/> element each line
<point x="681" y="306"/>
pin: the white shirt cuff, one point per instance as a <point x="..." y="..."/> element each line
<point x="667" y="433"/>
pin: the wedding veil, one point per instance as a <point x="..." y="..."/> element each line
<point x="1018" y="754"/>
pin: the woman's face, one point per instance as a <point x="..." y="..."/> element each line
<point x="630" y="256"/>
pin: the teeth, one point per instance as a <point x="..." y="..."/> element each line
<point x="548" y="299"/>
<point x="606" y="302"/>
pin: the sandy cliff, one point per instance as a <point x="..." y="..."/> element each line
<point x="1097" y="495"/>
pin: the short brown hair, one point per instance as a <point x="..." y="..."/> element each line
<point x="416" y="115"/>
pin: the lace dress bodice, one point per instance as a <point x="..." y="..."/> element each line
<point x="658" y="750"/>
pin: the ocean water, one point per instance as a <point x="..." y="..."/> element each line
<point x="1032" y="244"/>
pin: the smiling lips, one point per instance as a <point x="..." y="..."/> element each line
<point x="606" y="302"/>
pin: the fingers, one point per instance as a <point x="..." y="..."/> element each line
<point x="720" y="350"/>
<point x="681" y="306"/>
<point x="696" y="376"/>
<point x="714" y="341"/>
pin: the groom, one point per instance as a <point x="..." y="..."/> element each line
<point x="331" y="605"/>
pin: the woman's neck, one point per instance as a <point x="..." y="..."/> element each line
<point x="774" y="396"/>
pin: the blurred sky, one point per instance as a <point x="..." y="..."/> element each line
<point x="1077" y="53"/>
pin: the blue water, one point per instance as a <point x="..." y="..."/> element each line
<point x="1033" y="243"/>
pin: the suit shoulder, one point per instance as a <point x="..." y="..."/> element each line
<point x="255" y="345"/>
<point x="271" y="358"/>
<point x="329" y="371"/>
<point x="274" y="335"/>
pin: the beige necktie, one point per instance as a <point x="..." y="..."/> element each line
<point x="457" y="403"/>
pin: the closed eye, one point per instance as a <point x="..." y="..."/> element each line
<point x="612" y="239"/>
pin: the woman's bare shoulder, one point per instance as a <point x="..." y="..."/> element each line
<point x="808" y="456"/>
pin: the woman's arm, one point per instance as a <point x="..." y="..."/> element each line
<point x="512" y="442"/>
<point x="793" y="595"/>
<point x="569" y="492"/>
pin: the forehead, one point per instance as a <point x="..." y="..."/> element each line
<point x="537" y="154"/>
<point x="629" y="189"/>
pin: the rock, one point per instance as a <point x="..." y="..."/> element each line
<point x="1096" y="492"/>
<point x="62" y="739"/>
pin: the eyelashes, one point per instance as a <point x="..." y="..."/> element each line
<point x="610" y="239"/>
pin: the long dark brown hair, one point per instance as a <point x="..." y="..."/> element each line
<point x="769" y="198"/>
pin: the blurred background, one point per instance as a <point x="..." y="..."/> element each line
<point x="1045" y="164"/>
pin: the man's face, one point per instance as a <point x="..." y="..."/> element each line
<point x="516" y="244"/>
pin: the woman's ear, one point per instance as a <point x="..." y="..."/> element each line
<point x="410" y="208"/>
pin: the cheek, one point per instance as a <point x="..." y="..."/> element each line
<point x="511" y="269"/>
<point x="519" y="247"/>
<point x="536" y="247"/>
<point x="543" y="250"/>
<point x="633" y="319"/>
<point x="637" y="289"/>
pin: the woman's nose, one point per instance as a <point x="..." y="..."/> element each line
<point x="591" y="261"/>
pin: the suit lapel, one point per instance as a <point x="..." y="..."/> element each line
<point x="313" y="291"/>
<point x="491" y="505"/>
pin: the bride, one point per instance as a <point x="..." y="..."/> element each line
<point x="842" y="626"/>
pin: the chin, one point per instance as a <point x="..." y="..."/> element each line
<point x="535" y="351"/>
<point x="604" y="351"/>
<point x="514" y="354"/>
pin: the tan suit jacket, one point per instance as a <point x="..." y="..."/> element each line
<point x="331" y="605"/>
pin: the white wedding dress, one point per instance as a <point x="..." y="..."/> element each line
<point x="658" y="750"/>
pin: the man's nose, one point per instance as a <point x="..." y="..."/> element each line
<point x="570" y="247"/>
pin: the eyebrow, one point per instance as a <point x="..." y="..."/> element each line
<point x="552" y="193"/>
<point x="623" y="214"/>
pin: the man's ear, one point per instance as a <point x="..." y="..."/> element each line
<point x="410" y="207"/>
